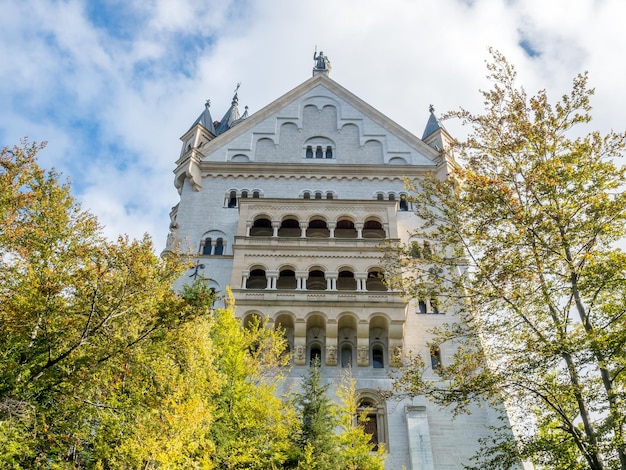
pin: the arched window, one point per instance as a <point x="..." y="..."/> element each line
<point x="421" y="306"/>
<point x="219" y="247"/>
<point x="317" y="229"/>
<point x="375" y="280"/>
<point x="346" y="356"/>
<point x="289" y="228"/>
<point x="316" y="280"/>
<point x="427" y="251"/>
<point x="380" y="197"/>
<point x="378" y="361"/>
<point x="415" y="250"/>
<point x="434" y="305"/>
<point x="319" y="153"/>
<point x="261" y="228"/>
<point x="286" y="279"/>
<point x="346" y="281"/>
<point x="232" y="199"/>
<point x="404" y="205"/>
<point x="257" y="279"/>
<point x="244" y="194"/>
<point x="392" y="197"/>
<point x="206" y="249"/>
<point x="309" y="152"/>
<point x="307" y="195"/>
<point x="256" y="194"/>
<point x="318" y="195"/>
<point x="315" y="355"/>
<point x="435" y="357"/>
<point x="345" y="229"/>
<point x="372" y="419"/>
<point x="373" y="229"/>
<point x="329" y="195"/>
<point x="329" y="152"/>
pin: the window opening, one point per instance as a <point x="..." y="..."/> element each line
<point x="317" y="229"/>
<point x="232" y="200"/>
<point x="434" y="305"/>
<point x="309" y="152"/>
<point x="346" y="356"/>
<point x="316" y="355"/>
<point x="377" y="358"/>
<point x="329" y="152"/>
<point x="329" y="195"/>
<point x="421" y="305"/>
<point x="261" y="228"/>
<point x="380" y="197"/>
<point x="244" y="194"/>
<point x="392" y="197"/>
<point x="404" y="205"/>
<point x="307" y="195"/>
<point x="346" y="281"/>
<point x="219" y="247"/>
<point x="435" y="357"/>
<point x="318" y="152"/>
<point x="427" y="251"/>
<point x="256" y="195"/>
<point x="256" y="280"/>
<point x="318" y="195"/>
<point x="206" y="250"/>
<point x="370" y="423"/>
<point x="286" y="279"/>
<point x="289" y="228"/>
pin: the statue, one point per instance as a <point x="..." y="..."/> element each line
<point x="321" y="61"/>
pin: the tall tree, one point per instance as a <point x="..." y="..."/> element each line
<point x="103" y="364"/>
<point x="523" y="245"/>
<point x="317" y="440"/>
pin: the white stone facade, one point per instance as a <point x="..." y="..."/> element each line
<point x="289" y="208"/>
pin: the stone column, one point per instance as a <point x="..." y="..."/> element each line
<point x="359" y="230"/>
<point x="301" y="277"/>
<point x="361" y="279"/>
<point x="331" y="228"/>
<point x="275" y="227"/>
<point x="331" y="280"/>
<point x="303" y="227"/>
<point x="272" y="277"/>
<point x="244" y="278"/>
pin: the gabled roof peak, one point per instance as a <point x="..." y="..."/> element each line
<point x="322" y="63"/>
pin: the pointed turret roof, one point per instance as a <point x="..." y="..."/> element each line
<point x="433" y="123"/>
<point x="232" y="115"/>
<point x="205" y="118"/>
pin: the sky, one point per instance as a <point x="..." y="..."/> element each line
<point x="112" y="85"/>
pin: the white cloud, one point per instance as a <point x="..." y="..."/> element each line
<point x="113" y="99"/>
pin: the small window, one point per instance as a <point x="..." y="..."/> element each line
<point x="232" y="199"/>
<point x="346" y="356"/>
<point x="329" y="195"/>
<point x="309" y="152"/>
<point x="319" y="153"/>
<point x="329" y="152"/>
<point x="404" y="205"/>
<point x="416" y="250"/>
<point x="219" y="247"/>
<point x="307" y="195"/>
<point x="370" y="424"/>
<point x="421" y="306"/>
<point x="256" y="195"/>
<point x="318" y="195"/>
<point x="392" y="197"/>
<point x="206" y="249"/>
<point x="377" y="358"/>
<point x="435" y="357"/>
<point x="316" y="355"/>
<point x="380" y="197"/>
<point x="244" y="194"/>
<point x="434" y="305"/>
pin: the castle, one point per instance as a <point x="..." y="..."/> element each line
<point x="289" y="206"/>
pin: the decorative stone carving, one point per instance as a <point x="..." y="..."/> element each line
<point x="362" y="356"/>
<point x="300" y="353"/>
<point x="331" y="355"/>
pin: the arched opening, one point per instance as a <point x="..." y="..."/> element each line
<point x="309" y="151"/>
<point x="378" y="359"/>
<point x="289" y="228"/>
<point x="317" y="229"/>
<point x="319" y="153"/>
<point x="256" y="279"/>
<point x="318" y="195"/>
<point x="315" y="355"/>
<point x="286" y="279"/>
<point x="261" y="228"/>
<point x="375" y="280"/>
<point x="329" y="195"/>
<point x="306" y="195"/>
<point x="371" y="417"/>
<point x="404" y="204"/>
<point x="346" y="355"/>
<point x="345" y="229"/>
<point x="207" y="248"/>
<point x="380" y="197"/>
<point x="373" y="229"/>
<point x="346" y="280"/>
<point x="435" y="357"/>
<point x="316" y="280"/>
<point x="232" y="199"/>
<point x="244" y="194"/>
<point x="421" y="306"/>
<point x="219" y="247"/>
<point x="329" y="152"/>
<point x="256" y="195"/>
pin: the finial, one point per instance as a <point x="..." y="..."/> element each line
<point x="207" y="104"/>
<point x="322" y="64"/>
<point x="431" y="108"/>
<point x="237" y="88"/>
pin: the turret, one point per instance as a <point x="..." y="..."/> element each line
<point x="200" y="132"/>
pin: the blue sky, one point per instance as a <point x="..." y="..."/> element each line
<point x="112" y="85"/>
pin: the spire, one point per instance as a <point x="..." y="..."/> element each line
<point x="433" y="123"/>
<point x="231" y="116"/>
<point x="322" y="64"/>
<point x="205" y="118"/>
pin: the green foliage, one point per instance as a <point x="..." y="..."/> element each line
<point x="318" y="418"/>
<point x="103" y="365"/>
<point x="523" y="249"/>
